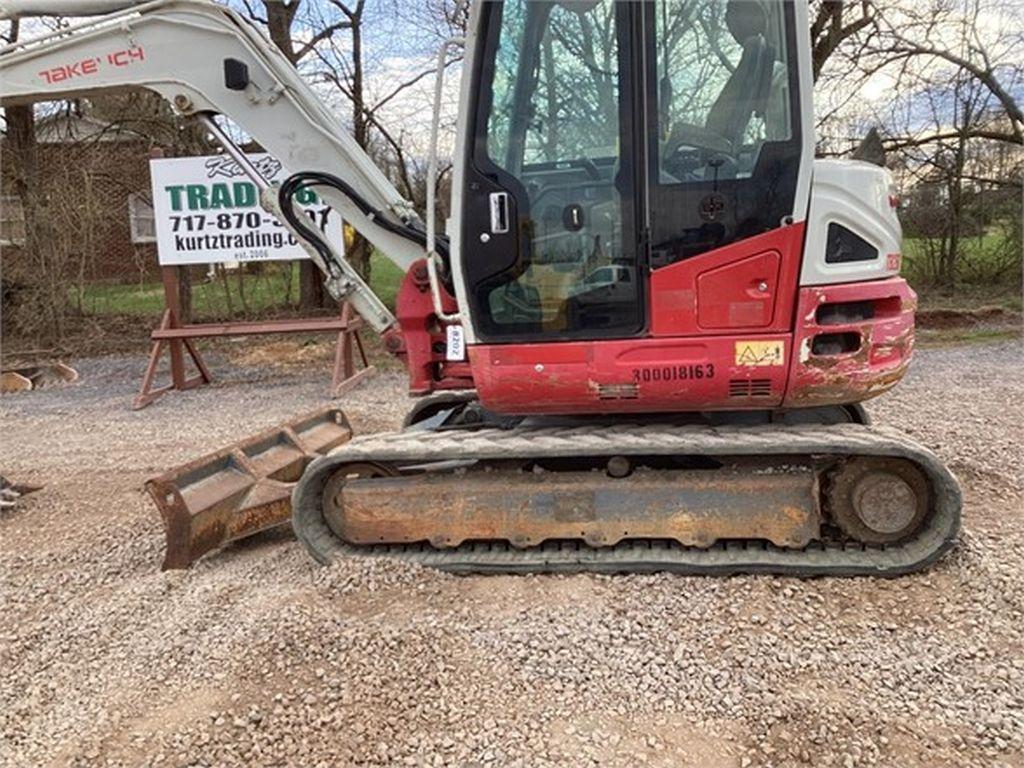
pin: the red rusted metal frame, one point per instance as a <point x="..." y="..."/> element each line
<point x="880" y="361"/>
<point x="171" y="334"/>
<point x="147" y="394"/>
<point x="258" y="328"/>
<point x="694" y="507"/>
<point x="345" y="374"/>
<point x="171" y="319"/>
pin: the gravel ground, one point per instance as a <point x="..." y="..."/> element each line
<point x="258" y="657"/>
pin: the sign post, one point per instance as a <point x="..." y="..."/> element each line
<point x="207" y="212"/>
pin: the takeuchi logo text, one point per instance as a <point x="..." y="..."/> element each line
<point x="93" y="65"/>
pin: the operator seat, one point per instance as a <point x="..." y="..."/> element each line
<point x="747" y="88"/>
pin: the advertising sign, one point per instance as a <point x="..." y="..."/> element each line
<point x="207" y="211"/>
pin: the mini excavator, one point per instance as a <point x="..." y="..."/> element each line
<point x="644" y="341"/>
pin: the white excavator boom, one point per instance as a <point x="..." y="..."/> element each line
<point x="14" y="9"/>
<point x="207" y="61"/>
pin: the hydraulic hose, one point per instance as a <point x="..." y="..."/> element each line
<point x="308" y="179"/>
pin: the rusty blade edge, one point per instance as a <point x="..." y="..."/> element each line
<point x="202" y="512"/>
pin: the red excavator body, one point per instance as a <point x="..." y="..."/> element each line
<point x="733" y="331"/>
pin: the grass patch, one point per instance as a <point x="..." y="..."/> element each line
<point x="989" y="274"/>
<point x="971" y="297"/>
<point x="385" y="279"/>
<point x="275" y="288"/>
<point x="953" y="336"/>
<point x="118" y="299"/>
<point x="989" y="263"/>
<point x="212" y="299"/>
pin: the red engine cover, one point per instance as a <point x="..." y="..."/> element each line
<point x="749" y="285"/>
<point x="740" y="295"/>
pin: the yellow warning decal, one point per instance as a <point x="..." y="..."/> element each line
<point x="758" y="354"/>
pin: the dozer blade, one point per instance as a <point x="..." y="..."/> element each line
<point x="243" y="489"/>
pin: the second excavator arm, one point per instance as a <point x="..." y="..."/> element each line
<point x="207" y="61"/>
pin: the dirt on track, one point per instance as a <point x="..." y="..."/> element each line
<point x="258" y="657"/>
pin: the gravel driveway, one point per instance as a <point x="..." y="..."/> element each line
<point x="257" y="657"/>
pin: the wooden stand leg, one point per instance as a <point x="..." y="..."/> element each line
<point x="147" y="394"/>
<point x="204" y="376"/>
<point x="345" y="374"/>
<point x="177" y="348"/>
<point x="359" y="346"/>
<point x="172" y="300"/>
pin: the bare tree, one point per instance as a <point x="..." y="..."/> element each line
<point x="949" y="80"/>
<point x="333" y="51"/>
<point x="23" y="156"/>
<point x="371" y="90"/>
<point x="954" y="41"/>
<point x="835" y="23"/>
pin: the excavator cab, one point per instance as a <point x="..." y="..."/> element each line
<point x="610" y="139"/>
<point x="633" y="225"/>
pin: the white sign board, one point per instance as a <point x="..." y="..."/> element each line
<point x="207" y="211"/>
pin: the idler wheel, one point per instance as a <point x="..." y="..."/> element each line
<point x="878" y="500"/>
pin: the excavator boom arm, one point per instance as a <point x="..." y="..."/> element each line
<point x="15" y="9"/>
<point x="207" y="61"/>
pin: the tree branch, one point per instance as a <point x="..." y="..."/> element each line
<point x="324" y="34"/>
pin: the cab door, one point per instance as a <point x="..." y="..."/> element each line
<point x="632" y="169"/>
<point x="726" y="142"/>
<point x="551" y="220"/>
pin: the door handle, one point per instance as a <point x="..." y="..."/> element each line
<point x="499" y="213"/>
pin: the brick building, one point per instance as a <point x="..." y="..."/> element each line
<point x="95" y="177"/>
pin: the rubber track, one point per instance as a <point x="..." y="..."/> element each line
<point x="818" y="559"/>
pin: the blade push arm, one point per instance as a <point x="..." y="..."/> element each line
<point x="206" y="61"/>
